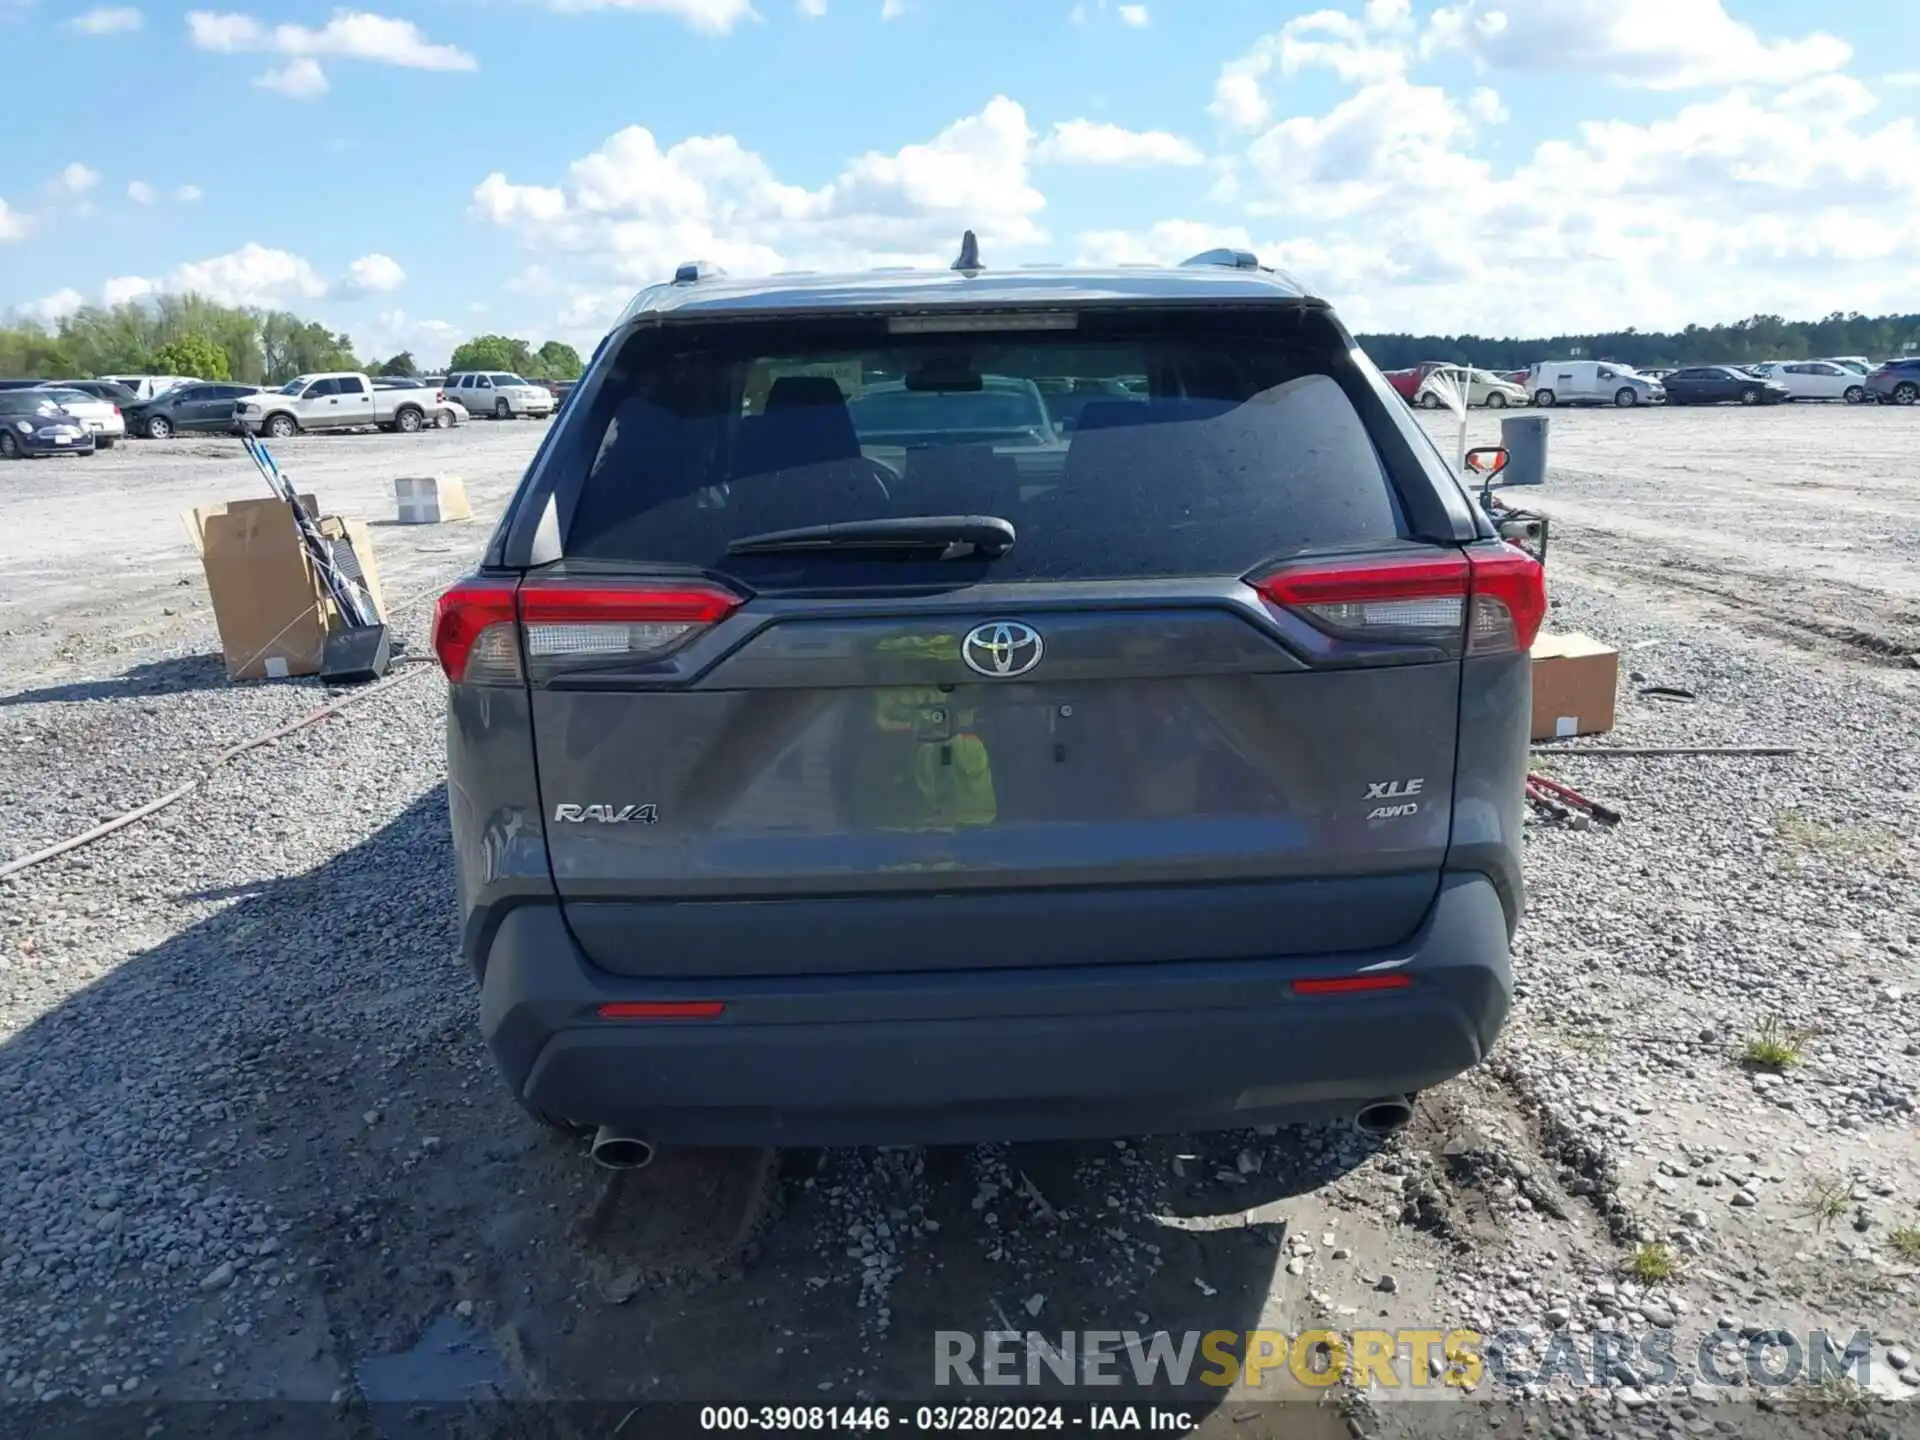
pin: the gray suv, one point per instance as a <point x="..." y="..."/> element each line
<point x="961" y="780"/>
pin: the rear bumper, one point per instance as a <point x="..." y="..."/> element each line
<point x="994" y="1055"/>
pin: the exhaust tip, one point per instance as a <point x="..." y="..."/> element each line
<point x="1383" y="1117"/>
<point x="615" y="1151"/>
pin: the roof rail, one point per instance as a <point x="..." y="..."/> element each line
<point x="696" y="270"/>
<point x="1231" y="259"/>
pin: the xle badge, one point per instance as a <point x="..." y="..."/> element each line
<point x="606" y="814"/>
<point x="1395" y="790"/>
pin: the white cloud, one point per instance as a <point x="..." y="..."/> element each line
<point x="187" y="194"/>
<point x="634" y="210"/>
<point x="108" y="20"/>
<point x="299" y="79"/>
<point x="1794" y="200"/>
<point x="77" y="179"/>
<point x="1166" y="242"/>
<point x="251" y="275"/>
<point x="392" y="331"/>
<point x="13" y="225"/>
<point x="140" y="192"/>
<point x="712" y="17"/>
<point x="1657" y="44"/>
<point x="812" y="9"/>
<point x="1134" y="16"/>
<point x="1486" y="106"/>
<point x="374" y="274"/>
<point x="534" y="280"/>
<point x="57" y="306"/>
<point x="122" y="288"/>
<point x="1389" y="141"/>
<point x="348" y="35"/>
<point x="1092" y="142"/>
<point x="892" y="9"/>
<point x="1357" y="50"/>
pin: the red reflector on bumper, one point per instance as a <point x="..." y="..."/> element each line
<point x="661" y="1010"/>
<point x="1351" y="984"/>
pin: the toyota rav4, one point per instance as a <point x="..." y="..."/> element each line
<point x="842" y="750"/>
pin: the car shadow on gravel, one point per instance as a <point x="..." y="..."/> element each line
<point x="172" y="676"/>
<point x="337" y="1169"/>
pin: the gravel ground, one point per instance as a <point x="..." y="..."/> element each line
<point x="255" y="1148"/>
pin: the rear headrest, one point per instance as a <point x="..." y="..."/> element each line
<point x="793" y="391"/>
<point x="805" y="423"/>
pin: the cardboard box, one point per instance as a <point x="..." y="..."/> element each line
<point x="269" y="603"/>
<point x="431" y="499"/>
<point x="1575" y="679"/>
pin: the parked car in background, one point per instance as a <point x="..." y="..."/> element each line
<point x="33" y="423"/>
<point x="1859" y="364"/>
<point x="20" y="384"/>
<point x="500" y="394"/>
<point x="1815" y="379"/>
<point x="148" y="386"/>
<point x="1897" y="382"/>
<point x="197" y="406"/>
<point x="1722" y="384"/>
<point x="1408" y="381"/>
<point x="1483" y="387"/>
<point x="446" y="413"/>
<point x="1178" y="789"/>
<point x="1590" y="382"/>
<point x="111" y="390"/>
<point x="344" y="400"/>
<point x="102" y="417"/>
<point x="1657" y="375"/>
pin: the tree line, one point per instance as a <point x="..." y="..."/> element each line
<point x="191" y="335"/>
<point x="1744" y="342"/>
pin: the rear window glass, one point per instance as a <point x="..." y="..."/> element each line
<point x="1149" y="449"/>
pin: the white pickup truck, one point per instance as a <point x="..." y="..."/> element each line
<point x="342" y="400"/>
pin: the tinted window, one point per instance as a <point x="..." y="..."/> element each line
<point x="1243" y="449"/>
<point x="187" y="394"/>
<point x="998" y="407"/>
<point x="351" y="385"/>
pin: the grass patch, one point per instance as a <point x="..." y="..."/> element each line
<point x="1841" y="1392"/>
<point x="1826" y="1201"/>
<point x="1904" y="1241"/>
<point x="1775" y="1046"/>
<point x="1653" y="1264"/>
<point x="1799" y="830"/>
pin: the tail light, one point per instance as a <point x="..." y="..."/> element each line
<point x="1481" y="600"/>
<point x="483" y="627"/>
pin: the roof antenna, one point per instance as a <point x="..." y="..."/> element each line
<point x="969" y="261"/>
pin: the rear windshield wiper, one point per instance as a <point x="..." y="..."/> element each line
<point x="953" y="535"/>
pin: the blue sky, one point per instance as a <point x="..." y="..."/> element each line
<point x="417" y="170"/>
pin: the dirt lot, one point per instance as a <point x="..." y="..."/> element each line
<point x="254" y="1149"/>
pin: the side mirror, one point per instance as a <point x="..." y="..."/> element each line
<point x="1487" y="460"/>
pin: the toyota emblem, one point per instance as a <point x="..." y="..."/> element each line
<point x="1002" y="648"/>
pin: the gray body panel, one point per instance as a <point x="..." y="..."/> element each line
<point x="941" y="904"/>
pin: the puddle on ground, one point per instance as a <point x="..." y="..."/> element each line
<point x="451" y="1364"/>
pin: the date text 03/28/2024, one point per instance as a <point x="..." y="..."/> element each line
<point x="942" y="1419"/>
